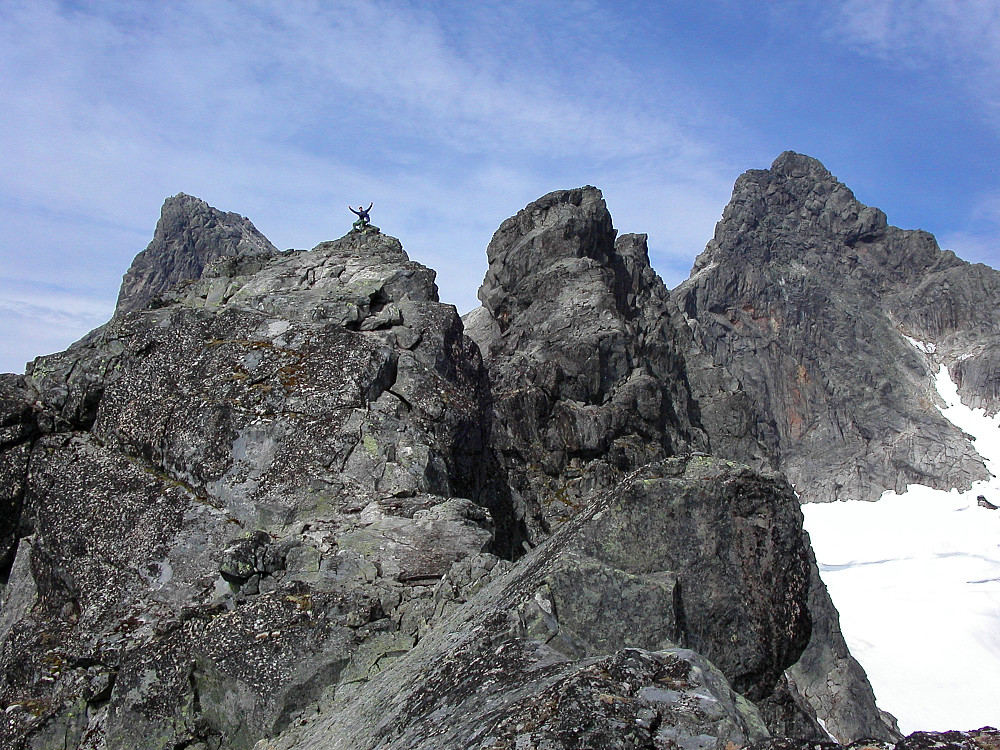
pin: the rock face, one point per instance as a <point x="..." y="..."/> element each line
<point x="829" y="682"/>
<point x="228" y="504"/>
<point x="834" y="323"/>
<point x="587" y="379"/>
<point x="807" y="296"/>
<point x="577" y="646"/>
<point x="290" y="500"/>
<point x="580" y="335"/>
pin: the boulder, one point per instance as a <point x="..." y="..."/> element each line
<point x="582" y="644"/>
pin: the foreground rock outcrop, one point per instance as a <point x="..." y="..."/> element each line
<point x="226" y="504"/>
<point x="292" y="500"/>
<point x="578" y="645"/>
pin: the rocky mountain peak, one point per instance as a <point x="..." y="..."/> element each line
<point x="793" y="164"/>
<point x="558" y="228"/>
<point x="796" y="198"/>
<point x="290" y="500"/>
<point x="586" y="373"/>
<point x="805" y="294"/>
<point x="189" y="235"/>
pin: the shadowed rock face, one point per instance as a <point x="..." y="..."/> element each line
<point x="805" y="296"/>
<point x="18" y="427"/>
<point x="587" y="380"/>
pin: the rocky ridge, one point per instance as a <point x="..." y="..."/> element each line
<point x="282" y="500"/>
<point x="221" y="509"/>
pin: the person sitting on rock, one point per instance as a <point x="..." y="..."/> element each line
<point x="363" y="219"/>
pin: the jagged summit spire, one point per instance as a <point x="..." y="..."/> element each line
<point x="189" y="235"/>
<point x="794" y="164"/>
<point x="774" y="211"/>
<point x="559" y="225"/>
<point x="803" y="292"/>
<point x="573" y="331"/>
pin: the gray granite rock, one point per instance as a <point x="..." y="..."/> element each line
<point x="829" y="682"/>
<point x="577" y="645"/>
<point x="804" y="296"/>
<point x="585" y="372"/>
<point x="984" y="738"/>
<point x="284" y="499"/>
<point x="801" y="307"/>
<point x="223" y="506"/>
<point x="189" y="235"/>
<point x="18" y="427"/>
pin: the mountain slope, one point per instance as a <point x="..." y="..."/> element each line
<point x="806" y="296"/>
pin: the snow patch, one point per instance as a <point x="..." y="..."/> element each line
<point x="926" y="347"/>
<point x="916" y="578"/>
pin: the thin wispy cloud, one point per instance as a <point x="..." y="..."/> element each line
<point x="450" y="116"/>
<point x="961" y="38"/>
<point x="287" y="112"/>
<point x="980" y="241"/>
<point x="359" y="84"/>
<point x="39" y="321"/>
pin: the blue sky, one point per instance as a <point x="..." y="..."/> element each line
<point x="451" y="116"/>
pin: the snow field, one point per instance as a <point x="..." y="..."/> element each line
<point x="916" y="578"/>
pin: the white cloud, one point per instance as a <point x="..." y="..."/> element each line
<point x="444" y="116"/>
<point x="949" y="28"/>
<point x="37" y="320"/>
<point x="962" y="37"/>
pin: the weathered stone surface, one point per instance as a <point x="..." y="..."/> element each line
<point x="559" y="290"/>
<point x="805" y="295"/>
<point x="18" y="427"/>
<point x="586" y="377"/>
<point x="189" y="235"/>
<point x="693" y="551"/>
<point x="787" y="714"/>
<point x="985" y="738"/>
<point x="282" y="483"/>
<point x="633" y="698"/>
<point x="805" y="298"/>
<point x="730" y="416"/>
<point x="234" y="501"/>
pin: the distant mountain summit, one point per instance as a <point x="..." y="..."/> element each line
<point x="189" y="235"/>
<point x="813" y="303"/>
<point x="291" y="500"/>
